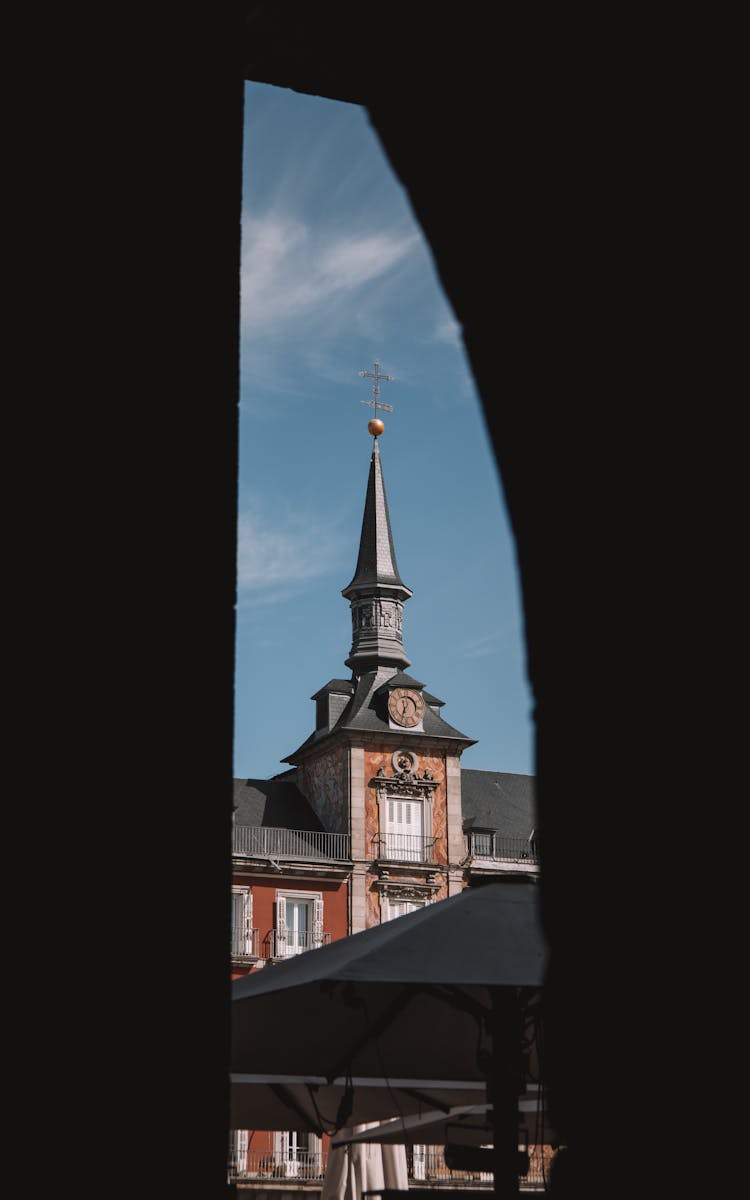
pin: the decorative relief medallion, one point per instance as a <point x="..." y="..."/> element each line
<point x="406" y="780"/>
<point x="405" y="761"/>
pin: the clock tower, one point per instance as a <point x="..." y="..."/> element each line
<point x="382" y="764"/>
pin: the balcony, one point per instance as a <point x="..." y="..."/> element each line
<point x="492" y="847"/>
<point x="276" y="945"/>
<point x="403" y="848"/>
<point x="309" y="1165"/>
<point x="257" y="841"/>
<point x="425" y="1167"/>
<point x="245" y="944"/>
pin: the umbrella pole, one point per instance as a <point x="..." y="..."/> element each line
<point x="504" y="1085"/>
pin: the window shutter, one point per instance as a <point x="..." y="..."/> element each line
<point x="317" y="930"/>
<point x="240" y="1151"/>
<point x="242" y="922"/>
<point x="315" y="1155"/>
<point x="248" y="921"/>
<point x="236" y="923"/>
<point x="280" y="925"/>
<point x="283" y="1150"/>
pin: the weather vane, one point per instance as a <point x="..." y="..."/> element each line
<point x="376" y="426"/>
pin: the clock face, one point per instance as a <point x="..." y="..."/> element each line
<point x="406" y="707"/>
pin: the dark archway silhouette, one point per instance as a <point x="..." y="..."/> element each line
<point x="554" y="176"/>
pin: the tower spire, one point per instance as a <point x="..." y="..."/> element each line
<point x="377" y="592"/>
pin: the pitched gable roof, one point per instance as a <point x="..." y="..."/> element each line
<point x="272" y="803"/>
<point x="498" y="800"/>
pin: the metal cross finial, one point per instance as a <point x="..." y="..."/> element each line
<point x="377" y="376"/>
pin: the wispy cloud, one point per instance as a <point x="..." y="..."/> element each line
<point x="271" y="558"/>
<point x="291" y="271"/>
<point x="448" y="331"/>
<point x="482" y="647"/>
<point x="353" y="262"/>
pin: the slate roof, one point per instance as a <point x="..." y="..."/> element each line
<point x="498" y="800"/>
<point x="376" y="562"/>
<point x="273" y="803"/>
<point x="401" y="679"/>
<point x="367" y="712"/>
<point x="372" y="715"/>
<point x="338" y="686"/>
<point x="490" y="800"/>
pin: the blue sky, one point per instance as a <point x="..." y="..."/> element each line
<point x="336" y="273"/>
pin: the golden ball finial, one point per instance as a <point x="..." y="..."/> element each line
<point x="375" y="427"/>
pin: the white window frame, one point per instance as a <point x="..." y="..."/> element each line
<point x="422" y="806"/>
<point x="242" y="920"/>
<point x="419" y="1161"/>
<point x="281" y="930"/>
<point x="389" y="903"/>
<point x="239" y="1147"/>
<point x="287" y="1157"/>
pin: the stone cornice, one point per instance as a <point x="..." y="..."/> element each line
<point x="395" y="785"/>
<point x="278" y="869"/>
<point x="345" y="736"/>
<point x="407" y="889"/>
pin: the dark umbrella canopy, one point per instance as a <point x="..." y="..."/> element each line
<point x="466" y="1125"/>
<point x="311" y="1103"/>
<point x="407" y="998"/>
<point x="469" y="1124"/>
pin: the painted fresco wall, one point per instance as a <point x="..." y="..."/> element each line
<point x="372" y="901"/>
<point x="325" y="785"/>
<point x="434" y="764"/>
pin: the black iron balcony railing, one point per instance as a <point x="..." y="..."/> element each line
<point x="245" y="944"/>
<point x="286" y="945"/>
<point x="257" y="841"/>
<point x="403" y="847"/>
<point x="277" y="1164"/>
<point x="275" y="944"/>
<point x="425" y="1167"/>
<point x="503" y="849"/>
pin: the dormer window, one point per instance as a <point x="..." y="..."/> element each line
<point x="330" y="702"/>
<point x="482" y="843"/>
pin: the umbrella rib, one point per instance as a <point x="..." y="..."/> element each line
<point x="291" y="1101"/>
<point x="451" y="996"/>
<point x="432" y="1101"/>
<point x="374" y="1031"/>
<point x="458" y="999"/>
